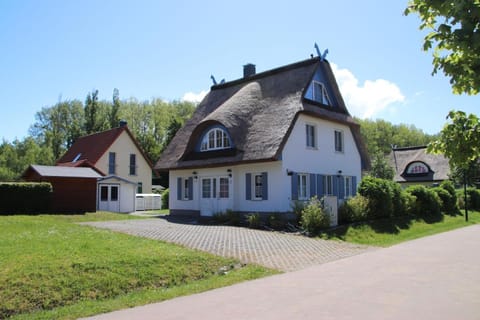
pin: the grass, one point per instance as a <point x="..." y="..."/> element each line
<point x="51" y="267"/>
<point x="387" y="232"/>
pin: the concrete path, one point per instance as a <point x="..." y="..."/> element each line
<point x="275" y="250"/>
<point x="436" y="277"/>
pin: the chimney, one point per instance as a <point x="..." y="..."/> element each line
<point x="248" y="70"/>
<point x="123" y="123"/>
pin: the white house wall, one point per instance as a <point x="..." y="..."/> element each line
<point x="323" y="159"/>
<point x="278" y="187"/>
<point x="123" y="147"/>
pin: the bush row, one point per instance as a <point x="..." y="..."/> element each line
<point x="25" y="197"/>
<point x="379" y="198"/>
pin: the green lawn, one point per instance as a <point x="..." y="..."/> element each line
<point x="51" y="267"/>
<point x="387" y="232"/>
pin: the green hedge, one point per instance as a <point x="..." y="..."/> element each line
<point x="427" y="202"/>
<point x="25" y="198"/>
<point x="473" y="198"/>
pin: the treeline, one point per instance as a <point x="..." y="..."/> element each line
<point x="154" y="123"/>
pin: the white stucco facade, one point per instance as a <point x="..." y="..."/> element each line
<point x="123" y="147"/>
<point x="276" y="187"/>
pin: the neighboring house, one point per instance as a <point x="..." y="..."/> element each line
<point x="259" y="143"/>
<point x="73" y="189"/>
<point x="413" y="165"/>
<point x="114" y="152"/>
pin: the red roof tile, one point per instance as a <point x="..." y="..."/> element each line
<point x="87" y="150"/>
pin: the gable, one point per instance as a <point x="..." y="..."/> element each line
<point x="320" y="90"/>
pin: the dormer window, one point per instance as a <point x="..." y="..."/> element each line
<point x="320" y="93"/>
<point x="416" y="168"/>
<point x="215" y="139"/>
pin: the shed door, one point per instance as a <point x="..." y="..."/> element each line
<point x="109" y="196"/>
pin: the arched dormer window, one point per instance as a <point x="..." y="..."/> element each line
<point x="215" y="138"/>
<point x="416" y="168"/>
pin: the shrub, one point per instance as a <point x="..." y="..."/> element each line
<point x="427" y="202"/>
<point x="448" y="204"/>
<point x="473" y="198"/>
<point x="313" y="217"/>
<point x="220" y="218"/>
<point x="254" y="220"/>
<point x="234" y="218"/>
<point x="353" y="210"/>
<point x="25" y="197"/>
<point x="379" y="197"/>
<point x="276" y="221"/>
<point x="297" y="208"/>
<point x="165" y="197"/>
<point x="474" y="195"/>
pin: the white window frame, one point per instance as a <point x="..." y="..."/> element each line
<point x="303" y="189"/>
<point x="186" y="190"/>
<point x="323" y="96"/>
<point x="221" y="193"/>
<point x="313" y="143"/>
<point x="328" y="185"/>
<point x="255" y="195"/>
<point x="215" y="139"/>
<point x="339" y="147"/>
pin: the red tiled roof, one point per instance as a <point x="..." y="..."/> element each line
<point x="87" y="150"/>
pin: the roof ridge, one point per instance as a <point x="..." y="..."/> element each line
<point x="267" y="73"/>
<point x="409" y="148"/>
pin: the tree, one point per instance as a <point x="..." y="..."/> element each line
<point x="114" y="119"/>
<point x="455" y="32"/>
<point x="381" y="168"/>
<point x="459" y="141"/>
<point x="91" y="106"/>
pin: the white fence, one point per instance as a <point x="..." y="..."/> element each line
<point x="148" y="201"/>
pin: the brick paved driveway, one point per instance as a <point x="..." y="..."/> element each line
<point x="285" y="252"/>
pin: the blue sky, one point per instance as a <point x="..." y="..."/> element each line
<point x="53" y="50"/>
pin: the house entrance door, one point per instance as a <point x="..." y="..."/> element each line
<point x="109" y="197"/>
<point x="215" y="195"/>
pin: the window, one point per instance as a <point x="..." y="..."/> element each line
<point x="103" y="193"/>
<point x="302" y="187"/>
<point x="139" y="187"/>
<point x="215" y="139"/>
<point x="114" y="193"/>
<point x="206" y="188"/>
<point x="257" y="187"/>
<point x="338" y="141"/>
<point x="133" y="164"/>
<point x="328" y="185"/>
<point x="111" y="163"/>
<point x="77" y="157"/>
<point x="310" y="131"/>
<point x="186" y="189"/>
<point x="320" y="93"/>
<point x="224" y="193"/>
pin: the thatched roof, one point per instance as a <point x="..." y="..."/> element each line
<point x="400" y="158"/>
<point x="259" y="113"/>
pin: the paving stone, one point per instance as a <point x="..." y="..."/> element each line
<point x="281" y="251"/>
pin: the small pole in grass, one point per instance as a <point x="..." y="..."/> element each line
<point x="465" y="193"/>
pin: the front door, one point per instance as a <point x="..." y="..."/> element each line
<point x="109" y="197"/>
<point x="215" y="195"/>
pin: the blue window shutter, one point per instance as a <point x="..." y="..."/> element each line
<point x="320" y="187"/>
<point x="179" y="188"/>
<point x="265" y="185"/>
<point x="214" y="187"/>
<point x="313" y="185"/>
<point x="248" y="186"/>
<point x="341" y="187"/>
<point x="294" y="186"/>
<point x="354" y="185"/>
<point x="335" y="186"/>
<point x="190" y="188"/>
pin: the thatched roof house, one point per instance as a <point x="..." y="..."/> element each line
<point x="413" y="165"/>
<point x="260" y="142"/>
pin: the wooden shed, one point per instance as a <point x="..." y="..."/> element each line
<point x="74" y="189"/>
<point x="116" y="194"/>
